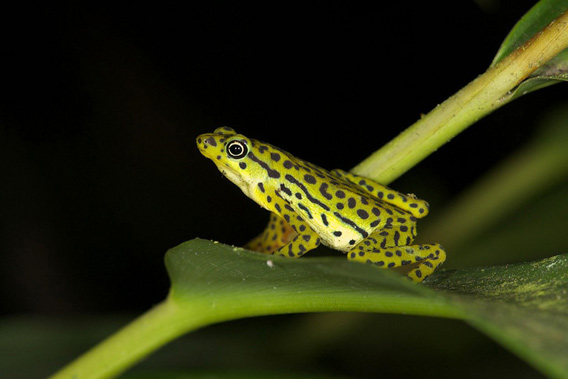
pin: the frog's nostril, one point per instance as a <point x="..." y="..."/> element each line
<point x="211" y="141"/>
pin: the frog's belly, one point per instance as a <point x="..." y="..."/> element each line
<point x="345" y="242"/>
<point x="338" y="231"/>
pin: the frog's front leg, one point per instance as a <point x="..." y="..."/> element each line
<point x="288" y="236"/>
<point x="426" y="258"/>
<point x="299" y="246"/>
<point x="305" y="240"/>
<point x="276" y="234"/>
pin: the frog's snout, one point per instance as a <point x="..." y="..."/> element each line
<point x="204" y="141"/>
<point x="200" y="144"/>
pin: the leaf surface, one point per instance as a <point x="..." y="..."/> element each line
<point x="523" y="306"/>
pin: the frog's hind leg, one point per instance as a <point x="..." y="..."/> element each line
<point x="277" y="234"/>
<point x="409" y="203"/>
<point x="425" y="258"/>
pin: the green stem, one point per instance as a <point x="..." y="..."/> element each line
<point x="485" y="94"/>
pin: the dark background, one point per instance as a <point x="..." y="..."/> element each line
<point x="100" y="107"/>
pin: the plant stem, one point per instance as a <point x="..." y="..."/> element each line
<point x="482" y="96"/>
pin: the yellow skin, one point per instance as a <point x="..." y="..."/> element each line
<point x="309" y="205"/>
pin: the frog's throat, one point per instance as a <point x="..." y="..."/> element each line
<point x="234" y="177"/>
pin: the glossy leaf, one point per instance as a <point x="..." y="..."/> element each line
<point x="522" y="306"/>
<point x="212" y="275"/>
<point x="551" y="72"/>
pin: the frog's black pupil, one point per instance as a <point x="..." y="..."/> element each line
<point x="237" y="149"/>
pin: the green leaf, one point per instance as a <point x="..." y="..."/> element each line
<point x="523" y="306"/>
<point x="208" y="275"/>
<point x="531" y="23"/>
<point x="551" y="72"/>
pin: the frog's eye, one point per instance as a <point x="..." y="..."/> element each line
<point x="237" y="149"/>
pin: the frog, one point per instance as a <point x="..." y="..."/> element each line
<point x="309" y="206"/>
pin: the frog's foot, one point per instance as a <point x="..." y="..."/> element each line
<point x="277" y="234"/>
<point x="436" y="255"/>
<point x="426" y="258"/>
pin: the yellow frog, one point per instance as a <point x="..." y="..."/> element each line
<point x="309" y="205"/>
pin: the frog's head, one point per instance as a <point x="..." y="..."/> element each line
<point x="233" y="155"/>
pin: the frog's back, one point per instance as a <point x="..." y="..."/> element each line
<point x="341" y="213"/>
